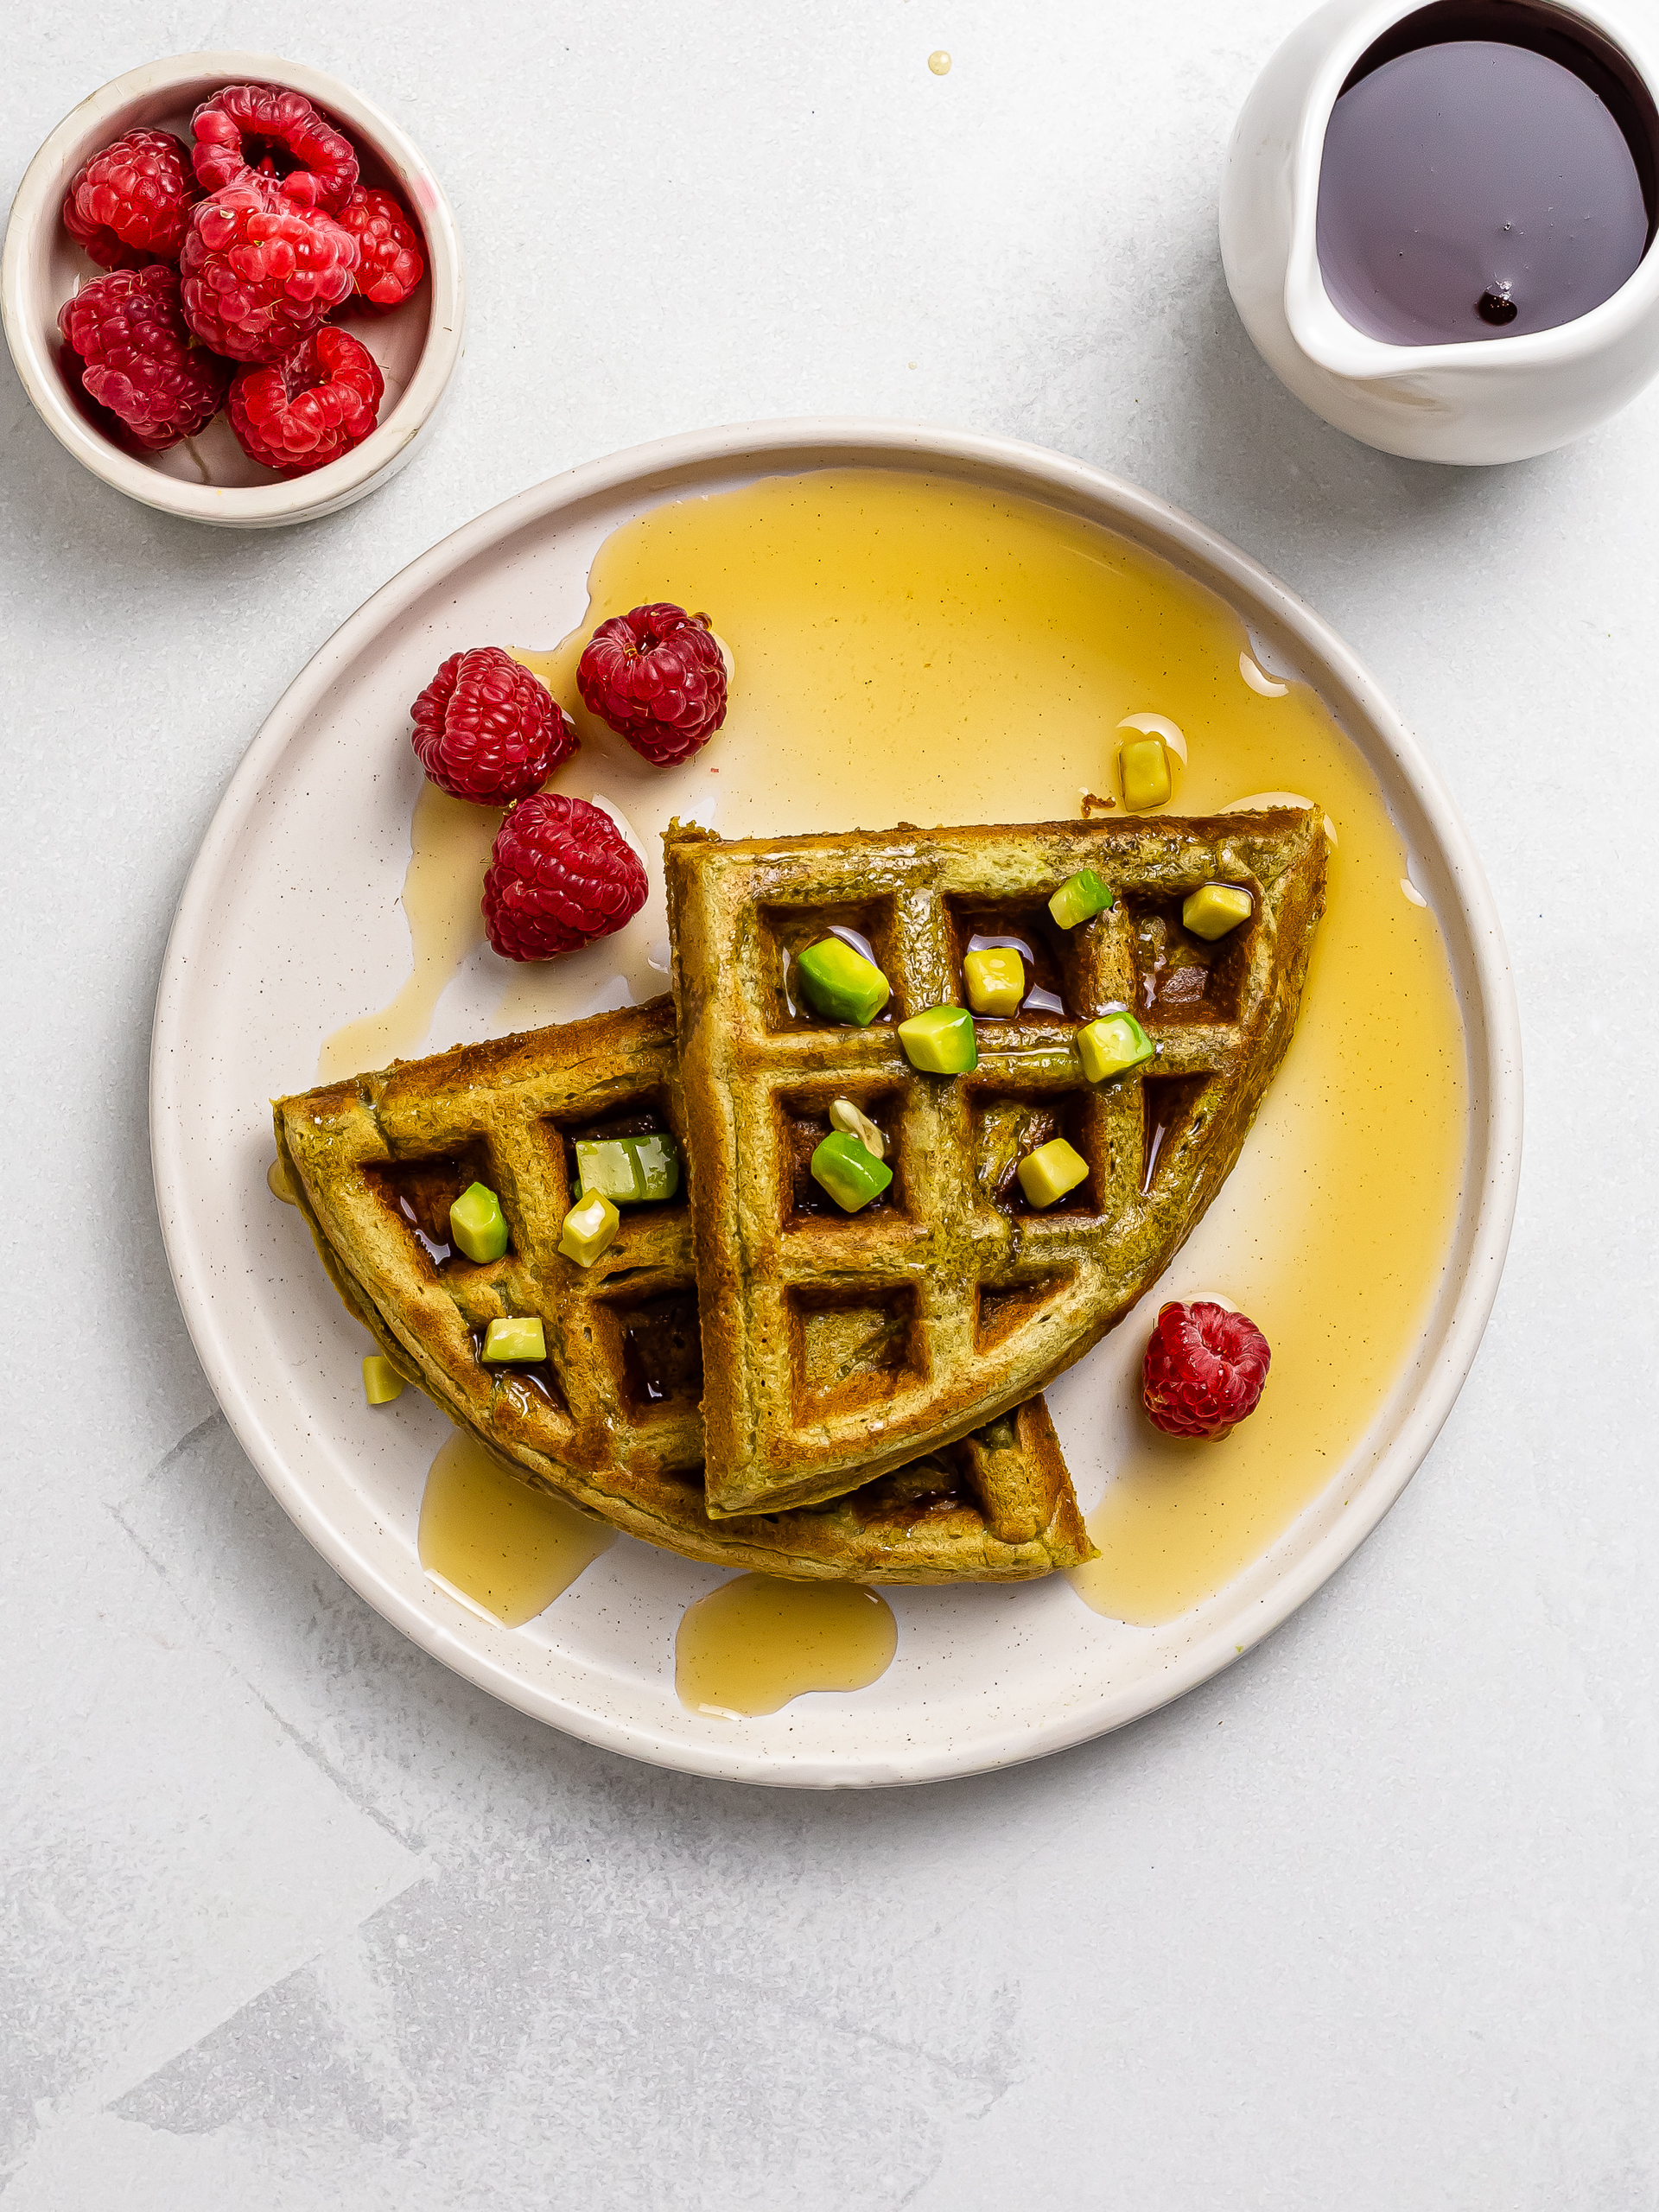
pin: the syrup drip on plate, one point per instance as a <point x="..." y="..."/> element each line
<point x="505" y="1550"/>
<point x="449" y="842"/>
<point x="757" y="1642"/>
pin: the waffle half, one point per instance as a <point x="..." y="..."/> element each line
<point x="611" y="1422"/>
<point x="834" y="1343"/>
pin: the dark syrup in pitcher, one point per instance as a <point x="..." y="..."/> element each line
<point x="1488" y="171"/>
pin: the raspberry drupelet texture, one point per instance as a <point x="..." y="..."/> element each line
<point x="658" y="677"/>
<point x="129" y="203"/>
<point x="487" y="729"/>
<point x="259" y="271"/>
<point x="1204" y="1370"/>
<point x="307" y="408"/>
<point x="71" y="368"/>
<point x="562" y="874"/>
<point x="128" y="334"/>
<point x="389" y="261"/>
<point x="260" y="129"/>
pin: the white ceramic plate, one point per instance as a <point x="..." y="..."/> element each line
<point x="290" y="924"/>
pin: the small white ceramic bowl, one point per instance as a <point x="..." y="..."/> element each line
<point x="210" y="479"/>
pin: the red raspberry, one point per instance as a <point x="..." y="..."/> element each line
<point x="659" y="678"/>
<point x="390" y="262"/>
<point x="107" y="425"/>
<point x="309" y="408"/>
<point x="260" y="129"/>
<point x="259" y="271"/>
<point x="1204" y="1370"/>
<point x="562" y="874"/>
<point x="130" y="204"/>
<point x="128" y="336"/>
<point x="487" y="729"/>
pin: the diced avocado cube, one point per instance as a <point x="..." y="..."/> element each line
<point x="1112" y="1047"/>
<point x="1214" y="908"/>
<point x="1144" y="766"/>
<point x="996" y="977"/>
<point x="1079" y="898"/>
<point x="841" y="983"/>
<point x="940" y="1040"/>
<point x="1050" y="1172"/>
<point x="843" y="1115"/>
<point x="589" y="1228"/>
<point x="851" y="1175"/>
<point x="478" y="1224"/>
<point x="629" y="1170"/>
<point x="381" y="1380"/>
<point x="521" y="1339"/>
<point x="605" y="1165"/>
<point x="657" y="1159"/>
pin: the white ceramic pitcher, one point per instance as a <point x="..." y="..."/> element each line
<point x="1477" y="401"/>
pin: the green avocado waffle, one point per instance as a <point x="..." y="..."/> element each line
<point x="608" y="1417"/>
<point x="819" y="973"/>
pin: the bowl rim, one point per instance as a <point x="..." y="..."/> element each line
<point x="675" y="466"/>
<point x="35" y="207"/>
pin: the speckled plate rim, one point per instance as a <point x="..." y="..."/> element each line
<point x="1415" y="1409"/>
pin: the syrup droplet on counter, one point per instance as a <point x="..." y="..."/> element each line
<point x="504" y="1549"/>
<point x="279" y="1183"/>
<point x="449" y="842"/>
<point x="939" y="62"/>
<point x="757" y="1642"/>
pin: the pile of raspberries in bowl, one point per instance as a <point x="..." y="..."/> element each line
<point x="225" y="259"/>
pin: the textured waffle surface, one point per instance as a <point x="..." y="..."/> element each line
<point x="611" y="1421"/>
<point x="835" y="1342"/>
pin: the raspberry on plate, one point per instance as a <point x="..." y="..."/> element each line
<point x="129" y="203"/>
<point x="562" y="874"/>
<point x="258" y="271"/>
<point x="658" y="677"/>
<point x="128" y="334"/>
<point x="389" y="261"/>
<point x="1204" y="1370"/>
<point x="261" y="129"/>
<point x="306" y="410"/>
<point x="487" y="729"/>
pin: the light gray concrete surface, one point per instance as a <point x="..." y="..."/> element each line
<point x="293" y="1919"/>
